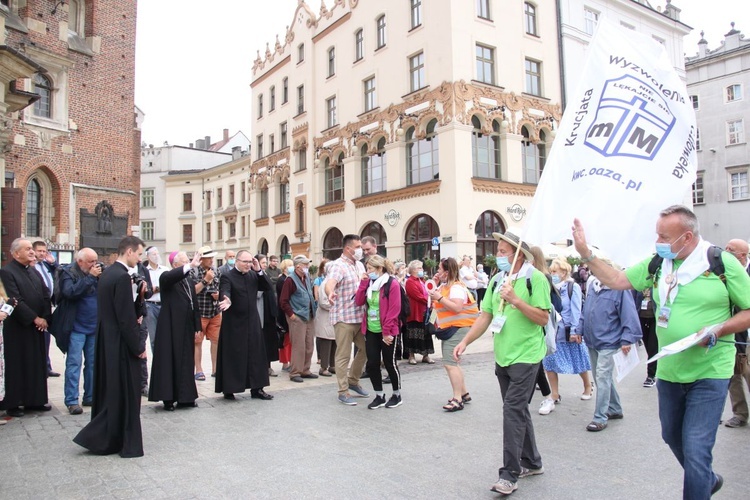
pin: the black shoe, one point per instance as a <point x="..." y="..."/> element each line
<point x="88" y="403"/>
<point x="394" y="402"/>
<point x="168" y="406"/>
<point x="309" y="375"/>
<point x="75" y="410"/>
<point x="39" y="408"/>
<point x="14" y="412"/>
<point x="261" y="394"/>
<point x="718" y="484"/>
<point x="52" y="374"/>
<point x="229" y="395"/>
<point x="614" y="416"/>
<point x="378" y="402"/>
<point x="187" y="405"/>
<point x="296" y="378"/>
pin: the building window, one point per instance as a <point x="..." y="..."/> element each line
<point x="260" y="105"/>
<point x="187" y="233"/>
<point x="300" y="53"/>
<point x="272" y="98"/>
<point x="529" y="15"/>
<point x="33" y="208"/>
<point x="533" y="77"/>
<point x="208" y="199"/>
<point x="231" y="195"/>
<point x="243" y="192"/>
<point x="300" y="216"/>
<point x="219" y="198"/>
<point x="734" y="92"/>
<point x="331" y="112"/>
<point x="259" y="145"/>
<point x="416" y="13"/>
<point x="370" y="95"/>
<point x="487" y="223"/>
<point x="271" y="143"/>
<point x="418" y="241"/>
<point x="416" y="70"/>
<point x="483" y="9"/>
<point x="208" y="232"/>
<point x="147" y="198"/>
<point x="331" y="62"/>
<point x="334" y="179"/>
<point x="534" y="156"/>
<point x="422" y="158"/>
<point x="232" y="229"/>
<point x="301" y="160"/>
<point x="219" y="230"/>
<point x="735" y="132"/>
<point x="485" y="64"/>
<point x="284" y="90"/>
<point x="485" y="150"/>
<point x="43" y="87"/>
<point x="263" y="203"/>
<point x="739" y="185"/>
<point x="373" y="169"/>
<point x="284" y="250"/>
<point x="697" y="139"/>
<point x="283" y="135"/>
<point x="187" y="202"/>
<point x="333" y="244"/>
<point x="300" y="99"/>
<point x="590" y="19"/>
<point x="380" y="27"/>
<point x="76" y="17"/>
<point x="698" y="190"/>
<point x="284" y="198"/>
<point x="695" y="101"/>
<point x="359" y="45"/>
<point x="243" y="226"/>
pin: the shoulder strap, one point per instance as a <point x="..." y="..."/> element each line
<point x="715" y="263"/>
<point x="529" y="273"/>
<point x="653" y="267"/>
<point x="387" y="288"/>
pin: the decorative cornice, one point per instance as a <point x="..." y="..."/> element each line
<point x="273" y="171"/>
<point x="502" y="187"/>
<point x="413" y="191"/>
<point x="331" y="208"/>
<point x="261" y="222"/>
<point x="278" y="219"/>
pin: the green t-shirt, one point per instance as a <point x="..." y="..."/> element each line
<point x="521" y="340"/>
<point x="373" y="313"/>
<point x="700" y="303"/>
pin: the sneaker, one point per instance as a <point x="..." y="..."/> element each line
<point x="649" y="382"/>
<point x="347" y="399"/>
<point x="378" y="402"/>
<point x="394" y="401"/>
<point x="718" y="484"/>
<point x="75" y="410"/>
<point x="735" y="422"/>
<point x="504" y="487"/>
<point x="361" y="393"/>
<point x="530" y="472"/>
<point x="546" y="407"/>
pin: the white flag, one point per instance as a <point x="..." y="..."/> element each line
<point x="624" y="150"/>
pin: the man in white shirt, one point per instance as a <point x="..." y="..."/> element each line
<point x="468" y="276"/>
<point x="46" y="266"/>
<point x="153" y="305"/>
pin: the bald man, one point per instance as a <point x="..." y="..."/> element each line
<point x="74" y="325"/>
<point x="739" y="248"/>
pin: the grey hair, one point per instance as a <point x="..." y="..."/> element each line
<point x="16" y="244"/>
<point x="414" y="265"/>
<point x="687" y="217"/>
<point x="81" y="254"/>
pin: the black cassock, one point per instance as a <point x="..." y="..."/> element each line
<point x="25" y="347"/>
<point x="242" y="362"/>
<point x="116" y="415"/>
<point x="174" y="362"/>
<point x="270" y="329"/>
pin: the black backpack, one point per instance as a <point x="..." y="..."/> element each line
<point x="405" y="307"/>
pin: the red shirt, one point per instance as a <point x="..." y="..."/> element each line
<point x="417" y="294"/>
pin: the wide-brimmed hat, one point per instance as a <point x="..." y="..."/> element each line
<point x="513" y="240"/>
<point x="206" y="252"/>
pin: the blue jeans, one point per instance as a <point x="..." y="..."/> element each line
<point x="81" y="345"/>
<point x="690" y="415"/>
<point x="607" y="398"/>
<point x="153" y="315"/>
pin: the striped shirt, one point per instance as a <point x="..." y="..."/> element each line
<point x="347" y="274"/>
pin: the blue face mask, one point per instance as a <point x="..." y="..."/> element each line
<point x="420" y="274"/>
<point x="502" y="263"/>
<point x="290" y="269"/>
<point x="664" y="250"/>
<point x="230" y="262"/>
<point x="373" y="276"/>
<point x="555" y="279"/>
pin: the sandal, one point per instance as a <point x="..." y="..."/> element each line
<point x="596" y="426"/>
<point x="200" y="376"/>
<point x="412" y="361"/>
<point x="427" y="360"/>
<point x="453" y="405"/>
<point x="466" y="398"/>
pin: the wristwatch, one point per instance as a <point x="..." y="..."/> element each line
<point x="585" y="260"/>
<point x="205" y="283"/>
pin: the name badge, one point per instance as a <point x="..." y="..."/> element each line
<point x="372" y="313"/>
<point x="498" y="321"/>
<point x="663" y="319"/>
<point x="644" y="304"/>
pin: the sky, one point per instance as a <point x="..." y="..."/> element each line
<point x="194" y="64"/>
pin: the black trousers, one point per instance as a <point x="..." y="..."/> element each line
<point x="648" y="328"/>
<point x="542" y="382"/>
<point x="142" y="338"/>
<point x="375" y="349"/>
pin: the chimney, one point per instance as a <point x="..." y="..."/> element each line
<point x="208" y="142"/>
<point x="702" y="46"/>
<point x="236" y="151"/>
<point x="199" y="144"/>
<point x="226" y="134"/>
<point x="732" y="39"/>
<point x="191" y="145"/>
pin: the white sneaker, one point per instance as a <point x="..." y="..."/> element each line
<point x="546" y="407"/>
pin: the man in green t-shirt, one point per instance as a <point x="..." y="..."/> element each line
<point x="689" y="298"/>
<point x="517" y="319"/>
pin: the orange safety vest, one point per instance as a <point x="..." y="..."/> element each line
<point x="465" y="317"/>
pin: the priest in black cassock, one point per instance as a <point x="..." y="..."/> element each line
<point x="178" y="325"/>
<point x="115" y="425"/>
<point x="25" y="347"/>
<point x="242" y="361"/>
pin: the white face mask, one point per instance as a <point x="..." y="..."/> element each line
<point x="358" y="254"/>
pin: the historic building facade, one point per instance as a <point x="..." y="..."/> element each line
<point x="718" y="82"/>
<point x="72" y="158"/>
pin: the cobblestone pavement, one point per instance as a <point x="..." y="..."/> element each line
<point x="304" y="444"/>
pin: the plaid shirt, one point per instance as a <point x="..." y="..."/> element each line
<point x="347" y="274"/>
<point x="206" y="304"/>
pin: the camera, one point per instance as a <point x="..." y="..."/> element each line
<point x="137" y="280"/>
